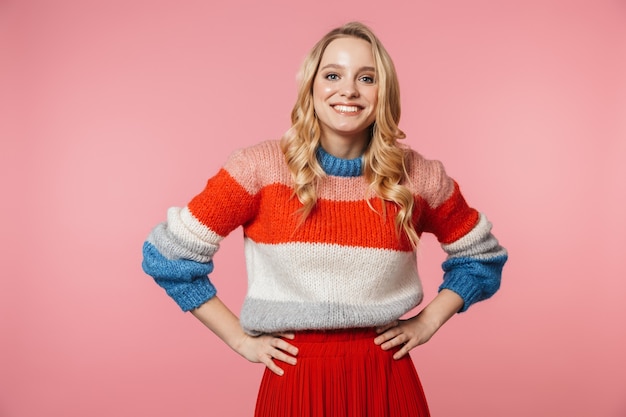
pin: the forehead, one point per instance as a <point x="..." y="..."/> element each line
<point x="348" y="51"/>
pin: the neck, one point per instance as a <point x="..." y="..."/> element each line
<point x="339" y="167"/>
<point x="345" y="147"/>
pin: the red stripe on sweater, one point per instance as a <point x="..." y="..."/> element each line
<point x="272" y="216"/>
<point x="451" y="220"/>
<point x="223" y="205"/>
<point x="349" y="223"/>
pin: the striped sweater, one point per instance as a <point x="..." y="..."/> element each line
<point x="344" y="267"/>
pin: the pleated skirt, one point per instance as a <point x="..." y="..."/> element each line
<point x="342" y="373"/>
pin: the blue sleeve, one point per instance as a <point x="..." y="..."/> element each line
<point x="473" y="279"/>
<point x="184" y="280"/>
<point x="474" y="265"/>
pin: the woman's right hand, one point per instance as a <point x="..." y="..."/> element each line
<point x="266" y="347"/>
<point x="215" y="315"/>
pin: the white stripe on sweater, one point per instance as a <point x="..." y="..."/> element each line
<point x="315" y="272"/>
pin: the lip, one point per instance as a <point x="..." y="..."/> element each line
<point x="347" y="104"/>
<point x="347" y="108"/>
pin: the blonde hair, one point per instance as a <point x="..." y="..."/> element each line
<point x="384" y="158"/>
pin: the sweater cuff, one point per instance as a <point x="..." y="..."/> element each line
<point x="192" y="294"/>
<point x="465" y="286"/>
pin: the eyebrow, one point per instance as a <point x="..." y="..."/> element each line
<point x="372" y="69"/>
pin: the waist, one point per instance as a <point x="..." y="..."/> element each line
<point x="335" y="343"/>
<point x="335" y="335"/>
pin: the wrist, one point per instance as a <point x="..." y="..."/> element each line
<point x="445" y="305"/>
<point x="428" y="320"/>
<point x="238" y="343"/>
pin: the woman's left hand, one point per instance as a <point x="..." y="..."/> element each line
<point x="406" y="333"/>
<point x="419" y="329"/>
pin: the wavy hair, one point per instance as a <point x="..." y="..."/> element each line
<point x="384" y="165"/>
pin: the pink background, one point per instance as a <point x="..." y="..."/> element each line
<point x="112" y="111"/>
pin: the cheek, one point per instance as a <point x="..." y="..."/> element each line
<point x="374" y="103"/>
<point x="320" y="94"/>
<point x="321" y="91"/>
<point x="373" y="97"/>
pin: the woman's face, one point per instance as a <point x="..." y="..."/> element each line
<point x="345" y="95"/>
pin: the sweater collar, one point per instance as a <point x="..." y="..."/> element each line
<point x="339" y="167"/>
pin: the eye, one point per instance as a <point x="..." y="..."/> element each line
<point x="331" y="76"/>
<point x="367" y="79"/>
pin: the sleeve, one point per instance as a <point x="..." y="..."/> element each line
<point x="473" y="267"/>
<point x="178" y="253"/>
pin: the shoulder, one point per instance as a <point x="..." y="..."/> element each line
<point x="267" y="151"/>
<point x="258" y="165"/>
<point x="427" y="178"/>
<point x="419" y="166"/>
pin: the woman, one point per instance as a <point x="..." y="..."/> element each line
<point x="332" y="214"/>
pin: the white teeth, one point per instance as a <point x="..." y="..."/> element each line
<point x="346" y="109"/>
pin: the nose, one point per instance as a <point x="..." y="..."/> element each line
<point x="349" y="88"/>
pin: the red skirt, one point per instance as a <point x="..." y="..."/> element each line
<point x="342" y="373"/>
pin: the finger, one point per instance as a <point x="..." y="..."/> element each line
<point x="285" y="346"/>
<point x="289" y="336"/>
<point x="283" y="357"/>
<point x="398" y="340"/>
<point x="379" y="340"/>
<point x="388" y="335"/>
<point x="386" y="327"/>
<point x="269" y="363"/>
<point x="406" y="348"/>
<point x="400" y="353"/>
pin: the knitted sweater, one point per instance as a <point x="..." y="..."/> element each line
<point x="344" y="267"/>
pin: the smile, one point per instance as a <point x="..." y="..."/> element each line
<point x="346" y="109"/>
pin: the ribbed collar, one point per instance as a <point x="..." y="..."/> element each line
<point x="339" y="167"/>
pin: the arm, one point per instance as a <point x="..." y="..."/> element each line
<point x="260" y="349"/>
<point x="472" y="271"/>
<point x="178" y="254"/>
